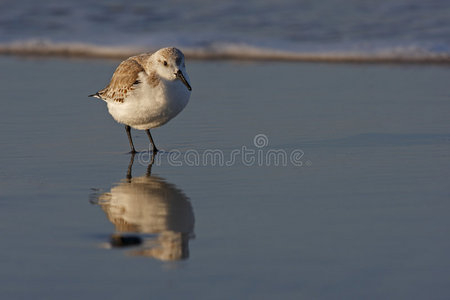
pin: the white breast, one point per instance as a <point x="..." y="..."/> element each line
<point x="149" y="107"/>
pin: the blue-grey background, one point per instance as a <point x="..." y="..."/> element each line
<point x="367" y="216"/>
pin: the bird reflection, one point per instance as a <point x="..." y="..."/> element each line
<point x="150" y="213"/>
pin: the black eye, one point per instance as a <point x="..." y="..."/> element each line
<point x="165" y="63"/>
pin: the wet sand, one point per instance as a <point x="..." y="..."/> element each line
<point x="359" y="210"/>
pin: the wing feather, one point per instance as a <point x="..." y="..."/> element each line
<point x="123" y="81"/>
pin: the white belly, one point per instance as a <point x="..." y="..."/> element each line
<point x="149" y="107"/>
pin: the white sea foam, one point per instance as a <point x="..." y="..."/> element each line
<point x="232" y="51"/>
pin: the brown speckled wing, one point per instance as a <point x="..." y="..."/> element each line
<point x="123" y="81"/>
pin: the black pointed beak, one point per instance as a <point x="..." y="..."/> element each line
<point x="180" y="76"/>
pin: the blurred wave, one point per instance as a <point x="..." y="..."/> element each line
<point x="409" y="54"/>
<point x="351" y="30"/>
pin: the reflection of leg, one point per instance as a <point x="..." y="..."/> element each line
<point x="151" y="141"/>
<point x="149" y="167"/>
<point x="127" y="129"/>
<point x="130" y="166"/>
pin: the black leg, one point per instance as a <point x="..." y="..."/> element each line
<point x="149" y="167"/>
<point x="151" y="141"/>
<point x="130" y="166"/>
<point x="127" y="128"/>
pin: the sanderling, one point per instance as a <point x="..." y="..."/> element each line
<point x="147" y="90"/>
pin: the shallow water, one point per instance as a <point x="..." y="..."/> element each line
<point x="359" y="210"/>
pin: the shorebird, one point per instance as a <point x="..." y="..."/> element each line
<point x="147" y="91"/>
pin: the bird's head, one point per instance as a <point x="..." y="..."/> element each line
<point x="170" y="65"/>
